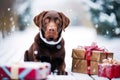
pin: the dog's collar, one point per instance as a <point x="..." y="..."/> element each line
<point x="50" y="42"/>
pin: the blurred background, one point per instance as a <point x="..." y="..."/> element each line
<point x="102" y="15"/>
<point x="90" y="21"/>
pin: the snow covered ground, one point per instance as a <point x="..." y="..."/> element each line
<point x="13" y="47"/>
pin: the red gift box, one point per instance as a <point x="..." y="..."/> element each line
<point x="27" y="70"/>
<point x="109" y="70"/>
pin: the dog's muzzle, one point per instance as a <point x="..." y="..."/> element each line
<point x="50" y="42"/>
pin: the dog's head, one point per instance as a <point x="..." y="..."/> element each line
<point x="51" y="24"/>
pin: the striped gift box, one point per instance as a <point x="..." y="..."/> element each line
<point x="26" y="70"/>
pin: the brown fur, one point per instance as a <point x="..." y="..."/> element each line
<point x="51" y="24"/>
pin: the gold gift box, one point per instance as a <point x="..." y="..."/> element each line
<point x="79" y="62"/>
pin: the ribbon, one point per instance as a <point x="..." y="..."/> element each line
<point x="88" y="53"/>
<point x="5" y="69"/>
<point x="14" y="72"/>
<point x="24" y="73"/>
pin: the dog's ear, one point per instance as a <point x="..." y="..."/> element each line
<point x="65" y="20"/>
<point x="38" y="19"/>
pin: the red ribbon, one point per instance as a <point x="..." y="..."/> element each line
<point x="88" y="53"/>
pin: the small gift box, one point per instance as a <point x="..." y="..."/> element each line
<point x="26" y="70"/>
<point x="109" y="68"/>
<point x="86" y="59"/>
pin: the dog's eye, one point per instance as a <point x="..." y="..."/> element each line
<point x="57" y="21"/>
<point x="47" y="20"/>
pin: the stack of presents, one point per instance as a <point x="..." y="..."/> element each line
<point x="93" y="60"/>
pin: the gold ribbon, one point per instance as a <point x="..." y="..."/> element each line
<point x="14" y="71"/>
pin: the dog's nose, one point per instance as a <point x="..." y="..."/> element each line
<point x="51" y="29"/>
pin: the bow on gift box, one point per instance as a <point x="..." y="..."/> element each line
<point x="94" y="46"/>
<point x="110" y="61"/>
<point x="88" y="53"/>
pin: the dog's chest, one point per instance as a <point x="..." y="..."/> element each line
<point x="48" y="54"/>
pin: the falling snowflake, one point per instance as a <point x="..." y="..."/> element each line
<point x="117" y="30"/>
<point x="107" y="32"/>
<point x="11" y="19"/>
<point x="96" y="25"/>
<point x="28" y="24"/>
<point x="9" y="9"/>
<point x="13" y="28"/>
<point x="4" y="23"/>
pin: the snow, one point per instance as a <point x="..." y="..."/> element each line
<point x="93" y="5"/>
<point x="13" y="48"/>
<point x="105" y="17"/>
<point x="99" y="78"/>
<point x="21" y="6"/>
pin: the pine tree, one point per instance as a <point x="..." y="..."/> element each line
<point x="106" y="18"/>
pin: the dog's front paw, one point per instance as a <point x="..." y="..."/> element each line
<point x="62" y="73"/>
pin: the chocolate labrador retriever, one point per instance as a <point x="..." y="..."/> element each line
<point x="48" y="44"/>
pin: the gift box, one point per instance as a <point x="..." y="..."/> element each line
<point x="86" y="59"/>
<point x="80" y="66"/>
<point x="109" y="70"/>
<point x="26" y="70"/>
